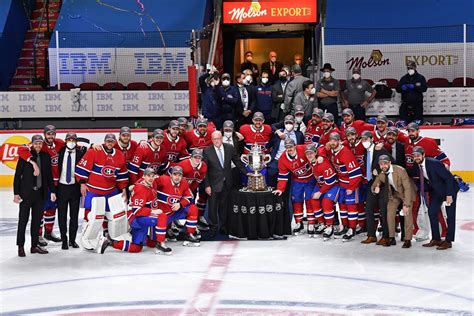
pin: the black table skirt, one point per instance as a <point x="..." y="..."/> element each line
<point x="258" y="215"/>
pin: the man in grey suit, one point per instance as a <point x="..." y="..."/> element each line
<point x="293" y="87"/>
<point x="218" y="181"/>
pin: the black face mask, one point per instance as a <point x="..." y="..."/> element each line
<point x="282" y="78"/>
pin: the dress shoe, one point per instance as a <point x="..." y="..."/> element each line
<point x="64" y="246"/>
<point x="73" y="244"/>
<point x="52" y="237"/>
<point x="407" y="244"/>
<point x="213" y="232"/>
<point x="381" y="242"/>
<point x="389" y="242"/>
<point x="39" y="250"/>
<point x="433" y="243"/>
<point x="21" y="252"/>
<point x="369" y="240"/>
<point x="42" y="242"/>
<point x="444" y="245"/>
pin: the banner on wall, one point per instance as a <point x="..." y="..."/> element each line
<point x="377" y="62"/>
<point x="125" y="65"/>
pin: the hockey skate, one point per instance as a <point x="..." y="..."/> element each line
<point x="311" y="230"/>
<point x="161" y="248"/>
<point x="171" y="236"/>
<point x="328" y="232"/>
<point x="203" y="224"/>
<point x="299" y="230"/>
<point x="348" y="235"/>
<point x="360" y="230"/>
<point x="104" y="242"/>
<point x="340" y="233"/>
<point x="192" y="241"/>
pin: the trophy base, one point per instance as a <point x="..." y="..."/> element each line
<point x="256" y="183"/>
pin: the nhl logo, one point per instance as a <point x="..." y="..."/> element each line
<point x="269" y="208"/>
<point x="278" y="207"/>
<point x="243" y="209"/>
<point x="253" y="209"/>
<point x="261" y="210"/>
<point x="235" y="209"/>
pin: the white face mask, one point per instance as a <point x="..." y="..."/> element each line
<point x="71" y="145"/>
<point x="411" y="72"/>
<point x="248" y="80"/>
<point x="327" y="74"/>
<point x="299" y="119"/>
<point x="264" y="80"/>
<point x="356" y="76"/>
<point x="313" y="91"/>
<point x="225" y="83"/>
<point x="289" y="127"/>
<point x="228" y="134"/>
<point x="366" y="144"/>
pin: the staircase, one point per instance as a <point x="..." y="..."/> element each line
<point x="37" y="36"/>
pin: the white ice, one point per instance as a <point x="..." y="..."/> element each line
<point x="299" y="276"/>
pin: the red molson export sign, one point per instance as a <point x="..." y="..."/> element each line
<point x="270" y="11"/>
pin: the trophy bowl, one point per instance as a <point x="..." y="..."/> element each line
<point x="256" y="160"/>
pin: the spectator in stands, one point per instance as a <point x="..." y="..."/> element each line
<point x="411" y="86"/>
<point x="246" y="100"/>
<point x="248" y="64"/>
<point x="278" y="90"/>
<point x="228" y="99"/>
<point x="210" y="106"/>
<point x="306" y="99"/>
<point x="293" y="87"/>
<point x="264" y="98"/>
<point x="355" y="98"/>
<point x="327" y="90"/>
<point x="272" y="67"/>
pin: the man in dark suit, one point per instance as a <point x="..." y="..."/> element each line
<point x="278" y="96"/>
<point x="372" y="169"/>
<point x="247" y="101"/>
<point x="248" y="64"/>
<point x="69" y="191"/>
<point x="272" y="67"/>
<point x="395" y="147"/>
<point x="433" y="177"/>
<point x="231" y="137"/>
<point x="218" y="181"/>
<point x="30" y="192"/>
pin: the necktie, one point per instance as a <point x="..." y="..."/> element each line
<point x="38" y="178"/>
<point x="368" y="174"/>
<point x="69" y="168"/>
<point x="389" y="186"/>
<point x="273" y="69"/>
<point x="221" y="157"/>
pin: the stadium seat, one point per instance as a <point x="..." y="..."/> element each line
<point x="65" y="86"/>
<point x="89" y="86"/>
<point x="137" y="86"/>
<point x="342" y="84"/>
<point x="113" y="86"/>
<point x="459" y="82"/>
<point x="161" y="85"/>
<point x="182" y="85"/>
<point x="391" y="83"/>
<point x="438" y="83"/>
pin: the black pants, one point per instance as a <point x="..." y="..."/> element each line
<point x="68" y="195"/>
<point x="33" y="202"/>
<point x="434" y="208"/>
<point x="331" y="108"/>
<point x="371" y="202"/>
<point x="217" y="209"/>
<point x="411" y="112"/>
<point x="359" y="111"/>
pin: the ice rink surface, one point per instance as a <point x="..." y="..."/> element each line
<point x="299" y="276"/>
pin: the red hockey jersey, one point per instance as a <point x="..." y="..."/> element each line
<point x="431" y="150"/>
<point x="102" y="172"/>
<point x="51" y="150"/>
<point x="359" y="126"/>
<point x="381" y="138"/>
<point x="313" y="133"/>
<point x="347" y="168"/>
<point x="144" y="158"/>
<point x="298" y="166"/>
<point x="325" y="135"/>
<point x="127" y="151"/>
<point x="194" y="176"/>
<point x="195" y="140"/>
<point x="252" y="136"/>
<point x="358" y="150"/>
<point x="325" y="175"/>
<point x="168" y="193"/>
<point x="175" y="150"/>
<point x="142" y="201"/>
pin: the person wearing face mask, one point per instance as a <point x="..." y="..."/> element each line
<point x="230" y="136"/>
<point x="264" y="98"/>
<point x="355" y="95"/>
<point x="209" y="101"/>
<point x="246" y="102"/>
<point x="411" y="86"/>
<point x="300" y="126"/>
<point x="69" y="191"/>
<point x="272" y="67"/>
<point x="293" y="87"/>
<point x="327" y="91"/>
<point x="306" y="99"/>
<point x="277" y="143"/>
<point x="278" y="90"/>
<point x="248" y="64"/>
<point x="228" y="100"/>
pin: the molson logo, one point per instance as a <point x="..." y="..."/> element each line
<point x="9" y="150"/>
<point x="240" y="13"/>
<point x="375" y="60"/>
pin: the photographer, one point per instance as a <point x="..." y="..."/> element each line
<point x="210" y="107"/>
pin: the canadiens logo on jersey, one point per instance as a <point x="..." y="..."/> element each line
<point x="154" y="204"/>
<point x="172" y="157"/>
<point x="154" y="166"/>
<point x="302" y="170"/>
<point x="409" y="159"/>
<point x="108" y="171"/>
<point x="54" y="160"/>
<point x="172" y="200"/>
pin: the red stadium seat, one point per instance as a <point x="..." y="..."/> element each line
<point x="65" y="86"/>
<point x="371" y="82"/>
<point x="459" y="82"/>
<point x="342" y="84"/>
<point x="391" y="83"/>
<point x="161" y="85"/>
<point x="182" y="85"/>
<point x="113" y="86"/>
<point x="137" y="86"/>
<point x="89" y="86"/>
<point x="438" y="83"/>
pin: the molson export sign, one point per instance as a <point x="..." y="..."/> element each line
<point x="270" y="11"/>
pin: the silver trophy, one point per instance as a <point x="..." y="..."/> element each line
<point x="256" y="160"/>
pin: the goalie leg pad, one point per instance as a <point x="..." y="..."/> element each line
<point x="93" y="228"/>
